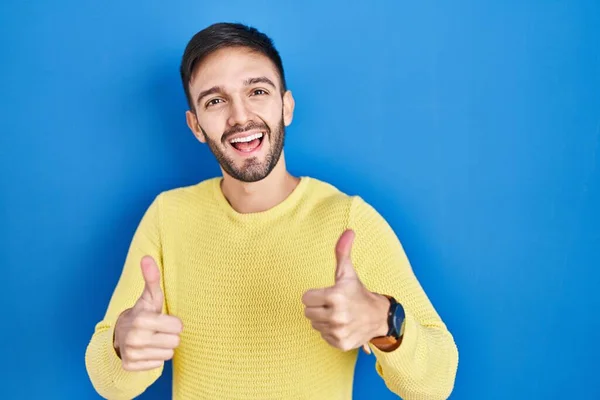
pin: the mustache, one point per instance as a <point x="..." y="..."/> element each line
<point x="252" y="125"/>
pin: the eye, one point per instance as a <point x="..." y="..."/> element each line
<point x="259" y="92"/>
<point x="213" y="102"/>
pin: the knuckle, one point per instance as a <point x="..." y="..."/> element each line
<point x="128" y="354"/>
<point x="339" y="319"/>
<point x="336" y="298"/>
<point x="126" y="341"/>
<point x="303" y="298"/>
<point x="134" y="341"/>
<point x="172" y="323"/>
<point x="179" y="325"/>
<point x="340" y="334"/>
<point x="176" y="341"/>
<point x="131" y="338"/>
<point x="127" y="366"/>
<point x="345" y="346"/>
<point x="124" y="350"/>
<point x="139" y="321"/>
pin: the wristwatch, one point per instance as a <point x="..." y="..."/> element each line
<point x="395" y="319"/>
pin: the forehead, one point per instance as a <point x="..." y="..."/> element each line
<point x="230" y="67"/>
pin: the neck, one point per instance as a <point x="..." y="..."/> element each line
<point x="252" y="197"/>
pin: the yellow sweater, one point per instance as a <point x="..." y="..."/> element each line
<point x="236" y="281"/>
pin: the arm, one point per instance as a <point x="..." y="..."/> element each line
<point x="424" y="364"/>
<point x="103" y="365"/>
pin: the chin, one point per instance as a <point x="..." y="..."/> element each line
<point x="250" y="170"/>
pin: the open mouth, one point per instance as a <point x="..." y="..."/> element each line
<point x="248" y="144"/>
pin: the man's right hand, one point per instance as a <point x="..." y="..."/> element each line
<point x="144" y="337"/>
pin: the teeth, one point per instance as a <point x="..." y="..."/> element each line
<point x="247" y="138"/>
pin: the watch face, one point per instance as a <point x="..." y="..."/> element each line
<point x="398" y="318"/>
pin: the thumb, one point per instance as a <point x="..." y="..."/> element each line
<point x="344" y="268"/>
<point x="152" y="294"/>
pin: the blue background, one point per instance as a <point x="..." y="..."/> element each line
<point x="473" y="127"/>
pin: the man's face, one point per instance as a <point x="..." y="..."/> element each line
<point x="240" y="111"/>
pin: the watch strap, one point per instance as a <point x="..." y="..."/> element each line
<point x="389" y="340"/>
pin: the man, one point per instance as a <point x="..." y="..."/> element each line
<point x="260" y="284"/>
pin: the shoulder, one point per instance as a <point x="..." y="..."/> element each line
<point x="357" y="211"/>
<point x="328" y="194"/>
<point x="325" y="196"/>
<point x="187" y="196"/>
<point x="360" y="215"/>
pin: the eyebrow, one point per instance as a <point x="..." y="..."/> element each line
<point x="260" y="79"/>
<point x="212" y="90"/>
<point x="247" y="82"/>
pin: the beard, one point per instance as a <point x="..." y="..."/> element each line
<point x="253" y="169"/>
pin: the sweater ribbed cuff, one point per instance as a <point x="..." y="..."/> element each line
<point x="124" y="384"/>
<point x="402" y="358"/>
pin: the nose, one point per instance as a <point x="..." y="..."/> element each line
<point x="239" y="113"/>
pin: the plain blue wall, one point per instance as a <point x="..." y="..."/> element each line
<point x="473" y="128"/>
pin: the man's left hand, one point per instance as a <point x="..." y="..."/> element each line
<point x="346" y="314"/>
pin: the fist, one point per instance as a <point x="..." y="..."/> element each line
<point x="144" y="337"/>
<point x="347" y="315"/>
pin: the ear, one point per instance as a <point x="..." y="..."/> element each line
<point x="194" y="126"/>
<point x="288" y="108"/>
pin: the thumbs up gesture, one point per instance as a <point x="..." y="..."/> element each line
<point x="346" y="314"/>
<point x="144" y="337"/>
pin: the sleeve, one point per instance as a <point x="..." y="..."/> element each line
<point x="103" y="365"/>
<point x="424" y="365"/>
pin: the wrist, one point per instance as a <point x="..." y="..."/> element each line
<point x="382" y="309"/>
<point x="389" y="336"/>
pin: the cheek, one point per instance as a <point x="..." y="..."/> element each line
<point x="213" y="126"/>
<point x="270" y="113"/>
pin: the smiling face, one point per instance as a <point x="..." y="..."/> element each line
<point x="240" y="111"/>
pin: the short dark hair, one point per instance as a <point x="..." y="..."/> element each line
<point x="222" y="35"/>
